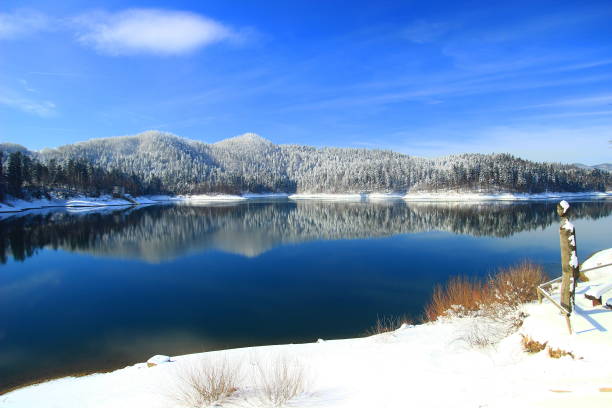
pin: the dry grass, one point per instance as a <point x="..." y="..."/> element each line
<point x="516" y="285"/>
<point x="503" y="291"/>
<point x="279" y="381"/>
<point x="459" y="293"/>
<point x="386" y="324"/>
<point x="205" y="383"/>
<point x="532" y="346"/>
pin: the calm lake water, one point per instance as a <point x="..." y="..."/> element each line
<point x="100" y="289"/>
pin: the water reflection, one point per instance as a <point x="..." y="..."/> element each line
<point x="165" y="232"/>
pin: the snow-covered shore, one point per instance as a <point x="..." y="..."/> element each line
<point x="428" y="365"/>
<point x="448" y="196"/>
<point x="17" y="205"/>
<point x="455" y="196"/>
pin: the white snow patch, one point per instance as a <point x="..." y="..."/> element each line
<point x="573" y="262"/>
<point x="565" y="205"/>
<point x="474" y="196"/>
<point x="326" y="196"/>
<point x="159" y="359"/>
<point x="211" y="197"/>
<point x="256" y="196"/>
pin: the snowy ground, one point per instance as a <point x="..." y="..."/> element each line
<point x="454" y="196"/>
<point x="447" y="196"/>
<point x="429" y="365"/>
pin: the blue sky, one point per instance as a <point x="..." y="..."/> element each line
<point x="427" y="78"/>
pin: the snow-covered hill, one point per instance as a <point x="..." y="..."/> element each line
<point x="250" y="163"/>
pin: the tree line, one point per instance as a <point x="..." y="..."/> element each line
<point x="156" y="161"/>
<point x="23" y="175"/>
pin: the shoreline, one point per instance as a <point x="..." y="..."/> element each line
<point x="18" y="205"/>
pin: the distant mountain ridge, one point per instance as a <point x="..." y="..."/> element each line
<point x="251" y="163"/>
<point x="602" y="166"/>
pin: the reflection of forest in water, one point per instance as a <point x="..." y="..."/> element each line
<point x="157" y="233"/>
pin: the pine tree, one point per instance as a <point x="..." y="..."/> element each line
<point x="14" y="175"/>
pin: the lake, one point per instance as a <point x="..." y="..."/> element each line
<point x="88" y="290"/>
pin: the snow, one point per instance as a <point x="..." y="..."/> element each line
<point x="598" y="269"/>
<point x="573" y="262"/>
<point x="16" y="205"/>
<point x="567" y="225"/>
<point x="385" y="196"/>
<point x="159" y="359"/>
<point x="446" y="196"/>
<point x="598" y="290"/>
<point x="258" y="196"/>
<point x="210" y="197"/>
<point x="427" y="365"/>
<point x="565" y="205"/>
<point x="470" y="196"/>
<point x="326" y="196"/>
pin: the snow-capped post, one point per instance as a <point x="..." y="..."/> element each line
<point x="569" y="257"/>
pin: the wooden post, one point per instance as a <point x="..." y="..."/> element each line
<point x="569" y="257"/>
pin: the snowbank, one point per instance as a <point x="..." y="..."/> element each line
<point x="429" y="365"/>
<point x="446" y="196"/>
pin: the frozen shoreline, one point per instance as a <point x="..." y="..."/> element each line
<point x="408" y="366"/>
<point x="17" y="205"/>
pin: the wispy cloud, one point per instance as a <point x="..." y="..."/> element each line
<point x="572" y="114"/>
<point x="151" y="31"/>
<point x="576" y="102"/>
<point x="39" y="108"/>
<point x="22" y="22"/>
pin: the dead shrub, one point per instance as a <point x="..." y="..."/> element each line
<point x="386" y="324"/>
<point x="532" y="346"/>
<point x="205" y="383"/>
<point x="516" y="285"/>
<point x="279" y="381"/>
<point x="558" y="353"/>
<point x="497" y="295"/>
<point x="460" y="295"/>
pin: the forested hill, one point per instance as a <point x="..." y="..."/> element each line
<point x="250" y="163"/>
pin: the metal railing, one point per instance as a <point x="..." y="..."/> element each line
<point x="543" y="292"/>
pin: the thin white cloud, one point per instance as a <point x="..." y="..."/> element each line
<point x="21" y="23"/>
<point x="150" y="31"/>
<point x="39" y="108"/>
<point x="585" y="101"/>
